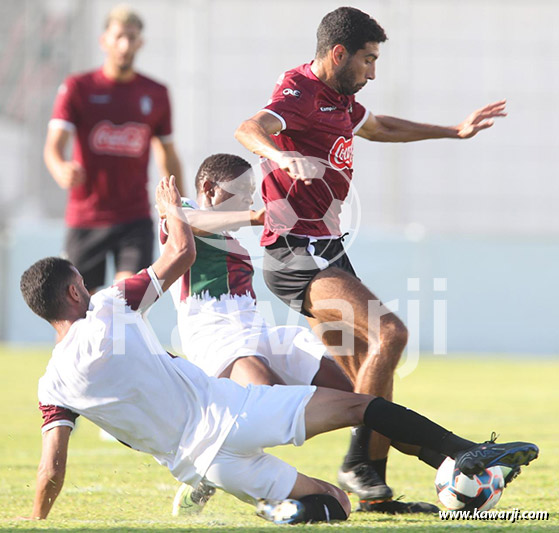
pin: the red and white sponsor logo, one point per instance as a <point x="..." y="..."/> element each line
<point x="341" y="154"/>
<point x="130" y="139"/>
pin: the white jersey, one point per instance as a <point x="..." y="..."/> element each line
<point x="219" y="322"/>
<point x="111" y="369"/>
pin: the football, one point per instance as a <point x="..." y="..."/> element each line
<point x="457" y="491"/>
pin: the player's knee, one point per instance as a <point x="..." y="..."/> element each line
<point x="253" y="370"/>
<point x="330" y="504"/>
<point x="343" y="498"/>
<point x="394" y="335"/>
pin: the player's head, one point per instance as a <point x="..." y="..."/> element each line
<point x="122" y="37"/>
<point x="54" y="289"/>
<point x="226" y="182"/>
<point x="349" y="39"/>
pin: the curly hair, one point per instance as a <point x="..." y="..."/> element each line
<point x="220" y="167"/>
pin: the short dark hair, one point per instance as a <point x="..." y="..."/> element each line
<point x="220" y="167"/>
<point x="349" y="27"/>
<point x="43" y="286"/>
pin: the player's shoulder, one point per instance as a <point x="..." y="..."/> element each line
<point x="150" y="83"/>
<point x="83" y="78"/>
<point x="78" y="81"/>
<point x="297" y="83"/>
<point x="298" y="76"/>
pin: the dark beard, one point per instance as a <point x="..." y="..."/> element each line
<point x="345" y="81"/>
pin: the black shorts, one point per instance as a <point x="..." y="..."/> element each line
<point x="131" y="245"/>
<point x="291" y="263"/>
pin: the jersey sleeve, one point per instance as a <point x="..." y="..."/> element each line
<point x="54" y="416"/>
<point x="359" y="115"/>
<point x="164" y="129"/>
<point x="291" y="104"/>
<point x="141" y="290"/>
<point x="65" y="110"/>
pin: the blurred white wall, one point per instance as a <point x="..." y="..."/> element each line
<point x="220" y="58"/>
<point x="443" y="59"/>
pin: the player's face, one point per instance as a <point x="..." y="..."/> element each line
<point x="80" y="286"/>
<point x="236" y="194"/>
<point x="121" y="42"/>
<point x="357" y="69"/>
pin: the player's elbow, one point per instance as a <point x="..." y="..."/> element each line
<point x="244" y="129"/>
<point x="239" y="132"/>
<point x="190" y="256"/>
<point x="48" y="153"/>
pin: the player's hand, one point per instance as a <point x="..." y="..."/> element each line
<point x="70" y="174"/>
<point x="481" y="119"/>
<point x="257" y="217"/>
<point x="298" y="167"/>
<point x="167" y="197"/>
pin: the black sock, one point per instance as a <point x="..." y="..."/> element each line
<point x="407" y="426"/>
<point x="322" y="508"/>
<point x="358" y="447"/>
<point x="431" y="457"/>
<point x="380" y="467"/>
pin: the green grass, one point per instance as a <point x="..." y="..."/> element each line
<point x="110" y="488"/>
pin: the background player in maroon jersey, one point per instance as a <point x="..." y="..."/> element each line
<point x="313" y="117"/>
<point x="114" y="113"/>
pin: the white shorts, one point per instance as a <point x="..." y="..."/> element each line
<point x="271" y="416"/>
<point x="214" y="333"/>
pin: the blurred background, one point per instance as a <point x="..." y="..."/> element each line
<point x="462" y="237"/>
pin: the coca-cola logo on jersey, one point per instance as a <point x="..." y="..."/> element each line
<point x="130" y="139"/>
<point x="341" y="154"/>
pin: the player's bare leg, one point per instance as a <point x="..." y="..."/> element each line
<point x="310" y="500"/>
<point x="331" y="376"/>
<point x="253" y="370"/>
<point x="370" y="362"/>
<point x="256" y="371"/>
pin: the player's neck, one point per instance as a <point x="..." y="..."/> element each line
<point x="324" y="73"/>
<point x="62" y="327"/>
<point x="113" y="73"/>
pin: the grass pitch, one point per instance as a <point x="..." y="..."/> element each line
<point x="110" y="488"/>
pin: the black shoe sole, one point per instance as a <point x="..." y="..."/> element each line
<point x="523" y="454"/>
<point x="395" y="507"/>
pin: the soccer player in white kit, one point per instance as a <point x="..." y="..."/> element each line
<point x="221" y="330"/>
<point x="220" y="327"/>
<point x="109" y="367"/>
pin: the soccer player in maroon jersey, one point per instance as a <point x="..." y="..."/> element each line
<point x="114" y="113"/>
<point x="305" y="135"/>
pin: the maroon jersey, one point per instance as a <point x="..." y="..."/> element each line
<point x="317" y="122"/>
<point x="114" y="123"/>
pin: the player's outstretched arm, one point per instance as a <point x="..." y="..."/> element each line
<point x="210" y="222"/>
<point x="52" y="468"/>
<point x="180" y="251"/>
<point x="390" y="129"/>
